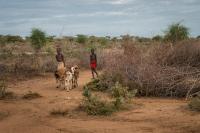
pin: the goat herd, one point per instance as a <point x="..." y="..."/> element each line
<point x="67" y="77"/>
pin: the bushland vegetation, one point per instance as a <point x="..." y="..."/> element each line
<point x="164" y="66"/>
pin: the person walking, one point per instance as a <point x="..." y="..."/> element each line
<point x="60" y="61"/>
<point x="93" y="63"/>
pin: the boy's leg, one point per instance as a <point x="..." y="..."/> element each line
<point x="96" y="72"/>
<point x="92" y="72"/>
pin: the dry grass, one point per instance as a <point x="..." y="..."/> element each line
<point x="155" y="69"/>
<point x="20" y="59"/>
<point x="158" y="70"/>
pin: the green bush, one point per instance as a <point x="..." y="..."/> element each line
<point x="119" y="91"/>
<point x="38" y="39"/>
<point x="97" y="85"/>
<point x="94" y="105"/>
<point x="86" y="92"/>
<point x="104" y="83"/>
<point x="176" y="32"/>
<point x="122" y="96"/>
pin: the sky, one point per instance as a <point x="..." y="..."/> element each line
<point x="145" y="18"/>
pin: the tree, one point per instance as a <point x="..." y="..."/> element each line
<point x="81" y="39"/>
<point x="50" y="38"/>
<point x="157" y="38"/>
<point x="103" y="41"/>
<point x="10" y="39"/>
<point x="176" y="32"/>
<point x="13" y="39"/>
<point x="38" y="39"/>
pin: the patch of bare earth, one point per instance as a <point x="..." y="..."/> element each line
<point x="150" y="115"/>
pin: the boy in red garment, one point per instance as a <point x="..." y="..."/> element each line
<point x="93" y="63"/>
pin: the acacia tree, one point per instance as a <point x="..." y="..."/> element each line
<point x="176" y="32"/>
<point x="81" y="39"/>
<point x="157" y="38"/>
<point x="38" y="39"/>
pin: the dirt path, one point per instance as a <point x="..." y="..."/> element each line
<point x="151" y="115"/>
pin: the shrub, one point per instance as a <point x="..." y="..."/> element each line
<point x="176" y="32"/>
<point x="105" y="82"/>
<point x="122" y="96"/>
<point x="119" y="91"/>
<point x="94" y="105"/>
<point x="97" y="85"/>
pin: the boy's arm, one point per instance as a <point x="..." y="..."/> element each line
<point x="96" y="58"/>
<point x="63" y="60"/>
<point x="90" y="58"/>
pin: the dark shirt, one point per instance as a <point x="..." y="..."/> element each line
<point x="93" y="58"/>
<point x="60" y="58"/>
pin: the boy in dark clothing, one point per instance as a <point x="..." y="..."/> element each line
<point x="93" y="63"/>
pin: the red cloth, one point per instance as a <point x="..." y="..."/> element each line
<point x="93" y="64"/>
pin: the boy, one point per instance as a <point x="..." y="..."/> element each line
<point x="93" y="63"/>
<point x="61" y="62"/>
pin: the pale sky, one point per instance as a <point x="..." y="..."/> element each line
<point x="97" y="17"/>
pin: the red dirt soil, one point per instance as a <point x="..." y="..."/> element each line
<point x="150" y="115"/>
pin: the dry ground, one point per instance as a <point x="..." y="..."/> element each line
<point x="150" y="115"/>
